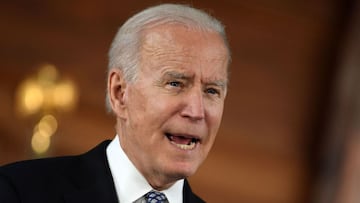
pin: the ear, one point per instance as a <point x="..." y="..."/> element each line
<point x="116" y="89"/>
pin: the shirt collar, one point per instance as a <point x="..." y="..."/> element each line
<point x="130" y="184"/>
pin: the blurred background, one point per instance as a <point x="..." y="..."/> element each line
<point x="290" y="131"/>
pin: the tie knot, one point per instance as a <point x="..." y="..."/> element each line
<point x="155" y="197"/>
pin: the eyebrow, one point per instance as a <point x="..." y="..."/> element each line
<point x="178" y="75"/>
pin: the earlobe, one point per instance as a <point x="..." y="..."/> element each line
<point x="116" y="89"/>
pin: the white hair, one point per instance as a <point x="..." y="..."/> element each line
<point x="124" y="50"/>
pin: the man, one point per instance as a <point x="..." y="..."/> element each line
<point x="167" y="82"/>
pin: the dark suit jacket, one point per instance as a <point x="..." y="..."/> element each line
<point x="71" y="179"/>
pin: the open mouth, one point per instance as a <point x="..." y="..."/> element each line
<point x="183" y="141"/>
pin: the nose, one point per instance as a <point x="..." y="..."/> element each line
<point x="194" y="106"/>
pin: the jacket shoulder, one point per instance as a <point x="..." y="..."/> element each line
<point x="52" y="165"/>
<point x="48" y="178"/>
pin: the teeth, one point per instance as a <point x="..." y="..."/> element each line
<point x="185" y="146"/>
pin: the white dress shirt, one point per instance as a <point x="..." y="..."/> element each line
<point x="130" y="184"/>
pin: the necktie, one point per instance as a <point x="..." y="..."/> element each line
<point x="155" y="197"/>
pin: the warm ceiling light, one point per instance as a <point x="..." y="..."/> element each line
<point x="43" y="93"/>
<point x="30" y="97"/>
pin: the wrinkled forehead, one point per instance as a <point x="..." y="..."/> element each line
<point x="175" y="26"/>
<point x="180" y="40"/>
<point x="179" y="47"/>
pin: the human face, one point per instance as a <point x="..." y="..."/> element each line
<point x="175" y="106"/>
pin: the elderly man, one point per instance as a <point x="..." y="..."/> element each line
<point x="167" y="82"/>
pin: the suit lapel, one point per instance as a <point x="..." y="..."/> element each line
<point x="189" y="196"/>
<point x="90" y="178"/>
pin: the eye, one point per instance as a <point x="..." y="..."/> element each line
<point x="175" y="83"/>
<point x="212" y="91"/>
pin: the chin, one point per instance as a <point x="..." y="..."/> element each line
<point x="183" y="170"/>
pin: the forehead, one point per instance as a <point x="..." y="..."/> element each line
<point x="181" y="35"/>
<point x="180" y="44"/>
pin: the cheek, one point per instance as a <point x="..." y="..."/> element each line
<point x="162" y="105"/>
<point x="148" y="110"/>
<point x="136" y="106"/>
<point x="215" y="116"/>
